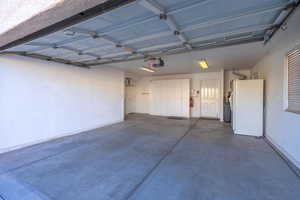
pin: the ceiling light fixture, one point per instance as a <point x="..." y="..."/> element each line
<point x="203" y="63"/>
<point x="147" y="69"/>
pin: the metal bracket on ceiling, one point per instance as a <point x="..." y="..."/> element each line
<point x="281" y="20"/>
<point x="157" y="9"/>
<point x="291" y="5"/>
<point x="163" y="16"/>
<point x="177" y="32"/>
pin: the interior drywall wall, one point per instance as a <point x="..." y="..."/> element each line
<point x="143" y="92"/>
<point x="40" y="100"/>
<point x="130" y="99"/>
<point x="229" y="76"/>
<point x="170" y="97"/>
<point x="281" y="128"/>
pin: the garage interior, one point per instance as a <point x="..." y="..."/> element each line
<point x="151" y="99"/>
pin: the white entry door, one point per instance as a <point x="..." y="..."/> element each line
<point x="209" y="98"/>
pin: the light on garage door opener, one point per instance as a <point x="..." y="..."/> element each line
<point x="147" y="69"/>
<point x="203" y="63"/>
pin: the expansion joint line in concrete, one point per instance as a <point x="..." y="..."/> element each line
<point x="33" y="162"/>
<point x="132" y="192"/>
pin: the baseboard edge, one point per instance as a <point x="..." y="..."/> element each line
<point x="66" y="134"/>
<point x="290" y="161"/>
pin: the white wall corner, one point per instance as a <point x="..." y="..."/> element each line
<point x="222" y="95"/>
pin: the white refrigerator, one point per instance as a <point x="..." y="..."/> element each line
<point x="247" y="105"/>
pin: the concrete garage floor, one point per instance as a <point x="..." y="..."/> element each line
<point x="149" y="158"/>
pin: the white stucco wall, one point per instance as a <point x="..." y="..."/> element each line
<point x="141" y="91"/>
<point x="41" y="100"/>
<point x="282" y="128"/>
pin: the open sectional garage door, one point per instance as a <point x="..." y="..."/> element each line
<point x="150" y="28"/>
<point x="170" y="97"/>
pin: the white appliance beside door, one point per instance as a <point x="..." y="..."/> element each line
<point x="209" y="105"/>
<point x="247" y="107"/>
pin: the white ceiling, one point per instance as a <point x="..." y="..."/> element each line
<point x="242" y="56"/>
